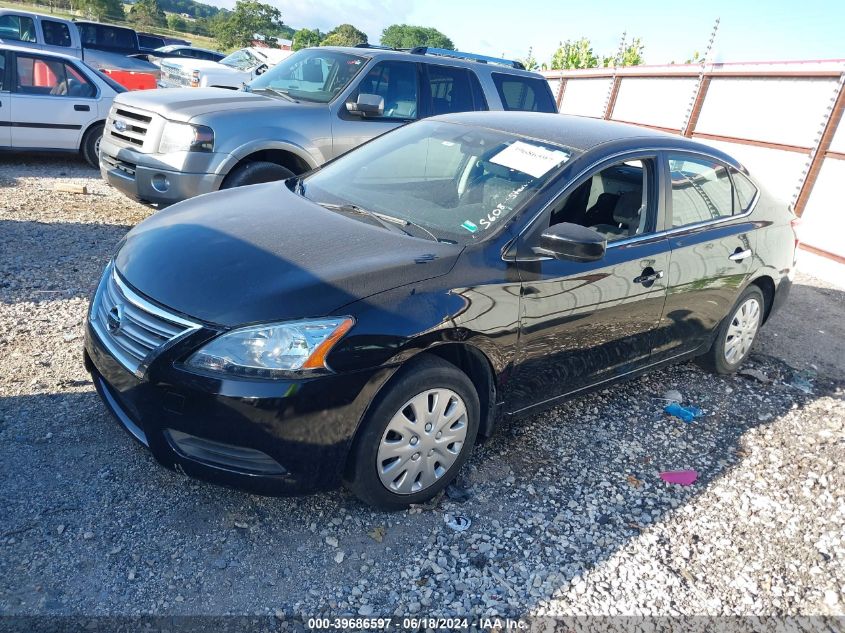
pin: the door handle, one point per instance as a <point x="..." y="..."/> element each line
<point x="738" y="255"/>
<point x="82" y="108"/>
<point x="648" y="277"/>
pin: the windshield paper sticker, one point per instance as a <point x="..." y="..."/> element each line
<point x="530" y="159"/>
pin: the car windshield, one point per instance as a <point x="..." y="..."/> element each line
<point x="242" y="60"/>
<point x="457" y="182"/>
<point x="311" y="75"/>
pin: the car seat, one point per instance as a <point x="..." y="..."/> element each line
<point x="627" y="212"/>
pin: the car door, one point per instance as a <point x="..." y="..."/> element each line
<point x="582" y="323"/>
<point x="18" y="30"/>
<point x="712" y="242"/>
<point x="52" y="102"/>
<point x="5" y="102"/>
<point x="398" y="83"/>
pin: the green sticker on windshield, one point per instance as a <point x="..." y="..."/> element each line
<point x="470" y="226"/>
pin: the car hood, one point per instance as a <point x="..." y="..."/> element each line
<point x="263" y="254"/>
<point x="183" y="104"/>
<point x="202" y="64"/>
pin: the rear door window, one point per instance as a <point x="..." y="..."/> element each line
<point x="452" y="90"/>
<point x="55" y="33"/>
<point x="701" y="190"/>
<point x="17" y="27"/>
<point x="524" y="93"/>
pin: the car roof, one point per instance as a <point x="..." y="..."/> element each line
<point x="36" y="51"/>
<point x="578" y="132"/>
<point x="173" y="47"/>
<point x="381" y="53"/>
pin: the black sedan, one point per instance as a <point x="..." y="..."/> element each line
<point x="369" y="322"/>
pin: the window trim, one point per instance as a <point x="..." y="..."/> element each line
<point x="6" y="72"/>
<point x="510" y="252"/>
<point x="669" y="210"/>
<point x="67" y="62"/>
<point x="355" y="84"/>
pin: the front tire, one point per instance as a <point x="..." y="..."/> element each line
<point x="415" y="440"/>
<point x="91" y="145"/>
<point x="254" y="173"/>
<point x="736" y="333"/>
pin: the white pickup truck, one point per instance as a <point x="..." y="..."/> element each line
<point x="232" y="71"/>
<point x="103" y="46"/>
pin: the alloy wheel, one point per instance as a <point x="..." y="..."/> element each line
<point x="422" y="441"/>
<point x="742" y="330"/>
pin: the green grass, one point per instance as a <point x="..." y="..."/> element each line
<point x="197" y="40"/>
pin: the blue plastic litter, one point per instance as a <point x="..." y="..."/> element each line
<point x="687" y="414"/>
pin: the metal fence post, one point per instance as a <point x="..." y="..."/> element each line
<point x="830" y="122"/>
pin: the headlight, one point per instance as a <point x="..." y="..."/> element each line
<point x="265" y="351"/>
<point x="184" y="137"/>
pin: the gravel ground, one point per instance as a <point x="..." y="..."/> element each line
<point x="568" y="514"/>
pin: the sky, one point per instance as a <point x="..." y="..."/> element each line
<point x="671" y="31"/>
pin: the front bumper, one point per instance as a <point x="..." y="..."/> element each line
<point x="141" y="177"/>
<point x="305" y="426"/>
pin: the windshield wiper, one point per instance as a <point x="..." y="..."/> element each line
<point x="281" y="93"/>
<point x="387" y="221"/>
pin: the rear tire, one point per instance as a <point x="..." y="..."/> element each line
<point x="414" y="441"/>
<point x="736" y="333"/>
<point x="91" y="145"/>
<point x="255" y="173"/>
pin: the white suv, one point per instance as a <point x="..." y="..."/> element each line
<point x="50" y="101"/>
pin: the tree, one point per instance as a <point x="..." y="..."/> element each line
<point x="304" y="38"/>
<point x="177" y="23"/>
<point x="237" y="29"/>
<point x="529" y="61"/>
<point x="409" y="36"/>
<point x="632" y="55"/>
<point x="147" y="14"/>
<point x="344" y="35"/>
<point x="102" y="9"/>
<point x="574" y="54"/>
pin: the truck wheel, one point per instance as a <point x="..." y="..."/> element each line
<point x="254" y="173"/>
<point x="91" y="145"/>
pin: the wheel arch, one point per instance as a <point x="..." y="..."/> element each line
<point x="88" y="128"/>
<point x="767" y="286"/>
<point x="285" y="154"/>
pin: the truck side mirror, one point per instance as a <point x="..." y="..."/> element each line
<point x="366" y="105"/>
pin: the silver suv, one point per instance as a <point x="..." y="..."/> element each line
<point x="163" y="146"/>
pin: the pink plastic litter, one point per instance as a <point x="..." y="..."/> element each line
<point x="682" y="477"/>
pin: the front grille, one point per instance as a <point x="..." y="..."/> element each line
<point x="172" y="76"/>
<point x="128" y="126"/>
<point x="120" y="165"/>
<point x="133" y="329"/>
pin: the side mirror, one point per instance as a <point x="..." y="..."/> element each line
<point x="573" y="242"/>
<point x="260" y="70"/>
<point x="366" y="105"/>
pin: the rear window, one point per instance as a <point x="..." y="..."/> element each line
<point x="55" y="33"/>
<point x="745" y="190"/>
<point x="148" y="41"/>
<point x="524" y="93"/>
<point x="104" y="36"/>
